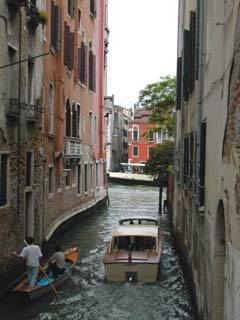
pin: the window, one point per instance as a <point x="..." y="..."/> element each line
<point x="30" y="82"/>
<point x="51" y="107"/>
<point x="50" y="180"/>
<point x="92" y="71"/>
<point x="93" y="10"/>
<point x="95" y="129"/>
<point x="29" y="168"/>
<point x="55" y="27"/>
<point x="68" y="47"/>
<point x="97" y="174"/>
<point x="135" y="151"/>
<point x="67" y="176"/>
<point x="79" y="20"/>
<point x="150" y="149"/>
<point x="150" y="135"/>
<point x="90" y="127"/>
<point x="74" y="174"/>
<point x="13" y="75"/>
<point x="82" y="63"/>
<point x="91" y="175"/>
<point x="68" y="119"/>
<point x="86" y="177"/>
<point x="202" y="162"/>
<point x="164" y="135"/>
<point x="74" y="120"/>
<point x="79" y="179"/>
<point x="78" y="122"/>
<point x="3" y="179"/>
<point x="135" y="133"/>
<point x="71" y="8"/>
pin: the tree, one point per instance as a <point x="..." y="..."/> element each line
<point x="159" y="97"/>
<point x="161" y="160"/>
<point x="160" y="164"/>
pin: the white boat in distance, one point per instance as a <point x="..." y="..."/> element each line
<point x="134" y="252"/>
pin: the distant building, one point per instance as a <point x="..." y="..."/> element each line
<point x="116" y="126"/>
<point x="142" y="137"/>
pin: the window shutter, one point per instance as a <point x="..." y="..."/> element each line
<point x="93" y="10"/>
<point x="52" y="23"/>
<point x="71" y="50"/>
<point x="202" y="162"/>
<point x="66" y="43"/>
<point x="94" y="73"/>
<point x="192" y="50"/>
<point x="58" y="28"/>
<point x="179" y="83"/>
<point x="79" y="62"/>
<point x="72" y="9"/>
<point x="55" y="27"/>
<point x="3" y="179"/>
<point x="186" y="65"/>
<point x="83" y="63"/>
<point x="68" y="47"/>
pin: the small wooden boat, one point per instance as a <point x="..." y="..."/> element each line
<point x="43" y="285"/>
<point x="134" y="252"/>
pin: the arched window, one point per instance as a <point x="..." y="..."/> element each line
<point x="74" y="120"/>
<point x="135" y="136"/>
<point x="78" y="122"/>
<point x="68" y="119"/>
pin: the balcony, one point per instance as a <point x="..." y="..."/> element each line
<point x="33" y="111"/>
<point x="12" y="108"/>
<point x="73" y="147"/>
<point x="15" y="4"/>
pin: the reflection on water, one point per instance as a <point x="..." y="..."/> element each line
<point x="88" y="296"/>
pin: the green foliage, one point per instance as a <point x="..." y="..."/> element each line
<point x="161" y="160"/>
<point x="160" y="98"/>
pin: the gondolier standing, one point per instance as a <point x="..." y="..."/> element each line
<point x="31" y="254"/>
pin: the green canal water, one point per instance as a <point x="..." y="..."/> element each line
<point x="88" y="296"/>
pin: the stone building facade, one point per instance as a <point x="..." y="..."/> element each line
<point x="52" y="156"/>
<point x="206" y="193"/>
<point x="21" y="194"/>
<point x="74" y="100"/>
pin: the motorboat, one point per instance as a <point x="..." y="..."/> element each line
<point x="134" y="252"/>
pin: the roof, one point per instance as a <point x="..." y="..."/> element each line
<point x="136" y="230"/>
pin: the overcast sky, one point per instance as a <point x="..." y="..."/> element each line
<point x="142" y="45"/>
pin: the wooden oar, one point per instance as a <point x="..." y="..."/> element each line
<point x="45" y="274"/>
<point x="52" y="286"/>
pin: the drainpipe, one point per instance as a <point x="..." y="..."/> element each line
<point x="19" y="110"/>
<point x="199" y="94"/>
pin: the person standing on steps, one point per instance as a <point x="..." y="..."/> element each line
<point x="31" y="254"/>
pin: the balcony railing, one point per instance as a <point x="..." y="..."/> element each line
<point x="73" y="147"/>
<point x="12" y="108"/>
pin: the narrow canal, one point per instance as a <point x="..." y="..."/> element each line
<point x="88" y="296"/>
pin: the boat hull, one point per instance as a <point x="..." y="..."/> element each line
<point x="35" y="292"/>
<point x="131" y="272"/>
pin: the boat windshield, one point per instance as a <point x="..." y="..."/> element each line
<point x="135" y="243"/>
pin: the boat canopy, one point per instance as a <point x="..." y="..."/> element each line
<point x="135" y="220"/>
<point x="133" y="230"/>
